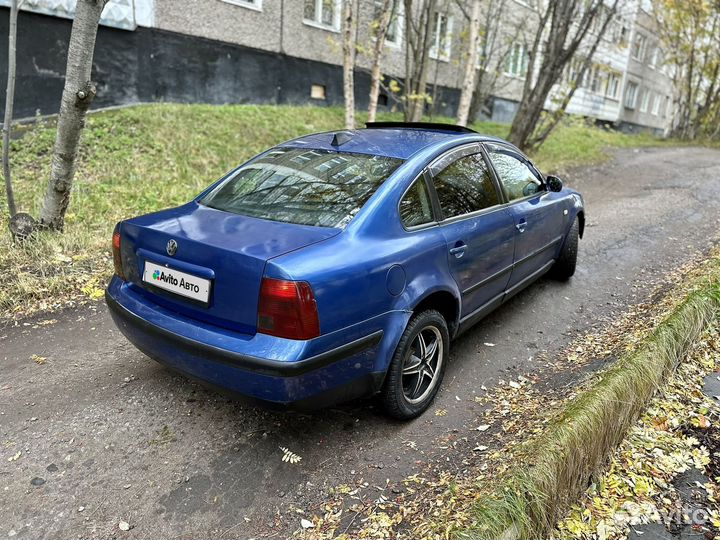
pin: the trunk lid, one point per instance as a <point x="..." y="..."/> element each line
<point x="228" y="250"/>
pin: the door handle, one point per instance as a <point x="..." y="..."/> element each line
<point x="458" y="250"/>
<point x="521" y="225"/>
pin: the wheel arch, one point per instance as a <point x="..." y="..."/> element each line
<point x="446" y="303"/>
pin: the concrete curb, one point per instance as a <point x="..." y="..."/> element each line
<point x="557" y="466"/>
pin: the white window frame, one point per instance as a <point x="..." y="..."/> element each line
<point x="645" y="100"/>
<point x="612" y="76"/>
<point x="521" y="58"/>
<point x="444" y="55"/>
<point x="657" y="98"/>
<point x="655" y="58"/>
<point x="631" y="103"/>
<point x="255" y="5"/>
<point x="399" y="24"/>
<point x="642" y="50"/>
<point x="317" y="23"/>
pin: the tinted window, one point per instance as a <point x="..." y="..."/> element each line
<point x="415" y="206"/>
<point x="465" y="186"/>
<point x="518" y="179"/>
<point x="299" y="185"/>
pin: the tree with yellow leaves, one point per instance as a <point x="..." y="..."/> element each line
<point x="690" y="30"/>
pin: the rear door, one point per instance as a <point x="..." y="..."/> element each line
<point x="536" y="214"/>
<point x="477" y="228"/>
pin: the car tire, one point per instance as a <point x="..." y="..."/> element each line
<point x="413" y="379"/>
<point x="564" y="266"/>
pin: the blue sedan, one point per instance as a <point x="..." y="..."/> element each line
<point x="341" y="264"/>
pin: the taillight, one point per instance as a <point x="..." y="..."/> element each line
<point x="117" y="258"/>
<point x="287" y="309"/>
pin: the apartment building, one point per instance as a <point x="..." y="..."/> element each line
<point x="289" y="51"/>
<point x="628" y="86"/>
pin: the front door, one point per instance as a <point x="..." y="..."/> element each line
<point x="478" y="230"/>
<point x="537" y="214"/>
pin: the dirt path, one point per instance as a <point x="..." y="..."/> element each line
<point x="110" y="436"/>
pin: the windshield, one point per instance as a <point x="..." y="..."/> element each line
<point x="307" y="187"/>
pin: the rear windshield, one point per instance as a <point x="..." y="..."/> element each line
<point x="307" y="187"/>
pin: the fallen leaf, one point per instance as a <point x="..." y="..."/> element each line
<point x="39" y="360"/>
<point x="289" y="456"/>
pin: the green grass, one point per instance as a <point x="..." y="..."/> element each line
<point x="145" y="158"/>
<point x="555" y="468"/>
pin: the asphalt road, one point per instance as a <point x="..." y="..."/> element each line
<point x="105" y="435"/>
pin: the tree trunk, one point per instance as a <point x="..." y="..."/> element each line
<point x="9" y="99"/>
<point x="77" y="96"/>
<point x="420" y="91"/>
<point x="569" y="23"/>
<point x="468" y="84"/>
<point x="349" y="62"/>
<point x="383" y="23"/>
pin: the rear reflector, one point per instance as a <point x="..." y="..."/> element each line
<point x="117" y="258"/>
<point x="287" y="309"/>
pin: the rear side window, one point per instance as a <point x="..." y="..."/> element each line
<point x="465" y="186"/>
<point x="415" y="206"/>
<point x="303" y="186"/>
<point x="517" y="178"/>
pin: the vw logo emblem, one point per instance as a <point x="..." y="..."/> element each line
<point x="171" y="247"/>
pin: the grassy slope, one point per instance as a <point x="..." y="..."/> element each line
<point x="145" y="158"/>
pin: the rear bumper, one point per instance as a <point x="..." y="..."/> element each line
<point x="341" y="367"/>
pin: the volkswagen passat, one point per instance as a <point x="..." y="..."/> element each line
<point x="340" y="265"/>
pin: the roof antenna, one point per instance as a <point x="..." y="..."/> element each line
<point x="341" y="137"/>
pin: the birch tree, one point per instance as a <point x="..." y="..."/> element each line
<point x="381" y="28"/>
<point x="562" y="26"/>
<point x="495" y="44"/>
<point x="9" y="102"/>
<point x="349" y="51"/>
<point x="468" y="85"/>
<point x="78" y="94"/>
<point x="419" y="28"/>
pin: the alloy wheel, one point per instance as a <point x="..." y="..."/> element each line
<point x="422" y="365"/>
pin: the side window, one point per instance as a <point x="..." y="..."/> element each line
<point x="465" y="186"/>
<point x="415" y="206"/>
<point x="517" y="178"/>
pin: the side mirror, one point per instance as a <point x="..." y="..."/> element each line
<point x="553" y="183"/>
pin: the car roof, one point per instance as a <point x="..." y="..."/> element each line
<point x="400" y="142"/>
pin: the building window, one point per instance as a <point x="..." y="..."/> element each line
<point x="317" y="91"/>
<point x="639" y="47"/>
<point x="324" y="14"/>
<point x="441" y="37"/>
<point x="645" y="101"/>
<point x="252" y="4"/>
<point x="393" y="36"/>
<point x="613" y="86"/>
<point x="631" y="95"/>
<point x="656" y="105"/>
<point x="655" y="58"/>
<point x="619" y="32"/>
<point x="596" y="79"/>
<point x="517" y="61"/>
